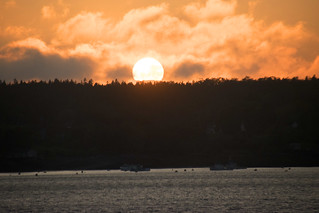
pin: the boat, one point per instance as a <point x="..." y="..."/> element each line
<point x="217" y="167"/>
<point x="228" y="166"/>
<point x="134" y="168"/>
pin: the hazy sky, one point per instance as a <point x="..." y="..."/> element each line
<point x="193" y="39"/>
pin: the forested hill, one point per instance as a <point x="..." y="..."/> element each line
<point x="69" y="125"/>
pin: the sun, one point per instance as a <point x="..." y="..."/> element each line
<point x="148" y="69"/>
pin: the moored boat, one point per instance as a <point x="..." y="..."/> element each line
<point x="228" y="166"/>
<point x="134" y="168"/>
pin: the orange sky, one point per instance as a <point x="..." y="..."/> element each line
<point x="193" y="39"/>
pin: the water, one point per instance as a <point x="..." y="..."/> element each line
<point x="163" y="190"/>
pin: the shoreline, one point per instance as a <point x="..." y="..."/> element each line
<point x="189" y="169"/>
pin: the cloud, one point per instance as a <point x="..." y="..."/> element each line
<point x="120" y="73"/>
<point x="32" y="43"/>
<point x="187" y="69"/>
<point x="34" y="60"/>
<point x="17" y="31"/>
<point x="212" y="41"/>
<point x="251" y="70"/>
<point x="84" y="27"/>
<point x="212" y="9"/>
<point x="314" y="68"/>
<point x="48" y="12"/>
<point x="17" y="50"/>
<point x="57" y="10"/>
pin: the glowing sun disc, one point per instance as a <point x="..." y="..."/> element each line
<point x="148" y="69"/>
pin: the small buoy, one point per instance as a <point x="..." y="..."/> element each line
<point x="76" y="173"/>
<point x="185" y="170"/>
<point x="176" y="171"/>
<point x="36" y="174"/>
<point x="82" y="171"/>
<point x="192" y="170"/>
<point x="255" y="170"/>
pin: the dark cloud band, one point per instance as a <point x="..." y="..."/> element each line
<point x="32" y="64"/>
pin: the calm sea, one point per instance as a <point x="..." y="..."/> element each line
<point x="163" y="190"/>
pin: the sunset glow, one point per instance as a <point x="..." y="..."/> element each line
<point x="148" y="69"/>
<point x="194" y="39"/>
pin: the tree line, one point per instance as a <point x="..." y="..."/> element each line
<point x="254" y="122"/>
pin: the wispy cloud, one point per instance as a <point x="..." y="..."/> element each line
<point x="210" y="10"/>
<point x="48" y="12"/>
<point x="16" y="31"/>
<point x="57" y="10"/>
